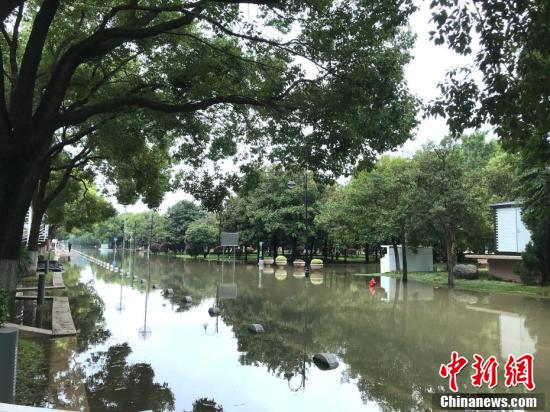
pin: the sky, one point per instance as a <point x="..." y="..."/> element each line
<point x="427" y="69"/>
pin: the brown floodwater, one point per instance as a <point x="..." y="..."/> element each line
<point x="138" y="349"/>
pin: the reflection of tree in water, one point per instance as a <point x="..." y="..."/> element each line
<point x="281" y="348"/>
<point x="87" y="310"/>
<point x="206" y="405"/>
<point x="118" y="386"/>
<point x="392" y="349"/>
<point x="32" y="372"/>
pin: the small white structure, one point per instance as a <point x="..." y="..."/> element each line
<point x="44" y="229"/>
<point x="511" y="235"/>
<point x="421" y="261"/>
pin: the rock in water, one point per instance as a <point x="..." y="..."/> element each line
<point x="256" y="328"/>
<point x="188" y="299"/>
<point x="466" y="271"/>
<point x="214" y="311"/>
<point x="168" y="292"/>
<point x="325" y="361"/>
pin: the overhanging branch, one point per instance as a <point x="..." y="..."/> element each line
<point x="117" y="104"/>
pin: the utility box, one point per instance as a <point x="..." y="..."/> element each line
<point x="419" y="260"/>
<point x="511" y="235"/>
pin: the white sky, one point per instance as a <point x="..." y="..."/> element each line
<point x="427" y="69"/>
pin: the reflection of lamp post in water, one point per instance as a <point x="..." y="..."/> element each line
<point x="120" y="307"/>
<point x="145" y="331"/>
<point x="289" y="375"/>
<point x="260" y="279"/>
<point x="215" y="331"/>
<point x="291" y="185"/>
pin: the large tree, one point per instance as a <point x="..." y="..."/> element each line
<point x="444" y="205"/>
<point x="179" y="217"/>
<point x="274" y="212"/>
<point x="512" y="54"/>
<point x="202" y="72"/>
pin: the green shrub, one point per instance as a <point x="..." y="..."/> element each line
<point x="529" y="268"/>
<point x="316" y="261"/>
<point x="280" y="258"/>
<point x="194" y="249"/>
<point x="4" y="314"/>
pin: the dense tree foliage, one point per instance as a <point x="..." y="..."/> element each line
<point x="440" y="197"/>
<point x="202" y="235"/>
<point x="195" y="81"/>
<point x="274" y="211"/>
<point x="512" y="53"/>
<point x="179" y="217"/>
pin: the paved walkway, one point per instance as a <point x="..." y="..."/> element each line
<point x="62" y="321"/>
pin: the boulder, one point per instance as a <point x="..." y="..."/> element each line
<point x="213" y="311"/>
<point x="325" y="361"/>
<point x="256" y="328"/>
<point x="466" y="271"/>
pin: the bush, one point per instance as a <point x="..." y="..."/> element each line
<point x="529" y="268"/>
<point x="317" y="261"/>
<point x="280" y="259"/>
<point x="4" y="313"/>
<point x="194" y="249"/>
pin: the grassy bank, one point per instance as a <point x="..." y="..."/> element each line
<point x="485" y="283"/>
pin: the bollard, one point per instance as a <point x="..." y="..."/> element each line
<point x="8" y="363"/>
<point x="41" y="288"/>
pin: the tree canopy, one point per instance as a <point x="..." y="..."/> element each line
<point x="201" y="79"/>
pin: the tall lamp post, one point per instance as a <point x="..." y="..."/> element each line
<point x="291" y="185"/>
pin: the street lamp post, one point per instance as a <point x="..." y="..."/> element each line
<point x="291" y="185"/>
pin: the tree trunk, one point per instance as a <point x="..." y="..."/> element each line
<point x="34" y="234"/>
<point x="376" y="254"/>
<point x="38" y="211"/>
<point x="17" y="184"/>
<point x="451" y="255"/>
<point x="404" y="252"/>
<point x="294" y="246"/>
<point x="367" y="253"/>
<point x="396" y="254"/>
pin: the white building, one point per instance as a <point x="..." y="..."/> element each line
<point x="511" y="235"/>
<point x="44" y="229"/>
<point x="421" y="260"/>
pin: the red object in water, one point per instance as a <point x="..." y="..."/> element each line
<point x="372" y="282"/>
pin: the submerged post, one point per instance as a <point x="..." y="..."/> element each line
<point x="42" y="282"/>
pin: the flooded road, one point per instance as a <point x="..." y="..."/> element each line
<point x="138" y="349"/>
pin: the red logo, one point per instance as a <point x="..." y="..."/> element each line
<point x="519" y="370"/>
<point x="485" y="371"/>
<point x="516" y="371"/>
<point x="452" y="369"/>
